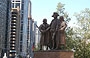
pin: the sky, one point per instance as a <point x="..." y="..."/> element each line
<point x="44" y="9"/>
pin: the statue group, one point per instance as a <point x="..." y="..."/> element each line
<point x="53" y="34"/>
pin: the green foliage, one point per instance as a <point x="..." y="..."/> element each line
<point x="60" y="8"/>
<point x="37" y="48"/>
<point x="69" y="40"/>
<point x="82" y="50"/>
<point x="61" y="11"/>
<point x="83" y="19"/>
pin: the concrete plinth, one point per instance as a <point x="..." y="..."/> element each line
<point x="53" y="54"/>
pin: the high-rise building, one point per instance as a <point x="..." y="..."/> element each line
<point x="4" y="19"/>
<point x="37" y="36"/>
<point x="25" y="12"/>
<point x="14" y="32"/>
<point x="33" y="36"/>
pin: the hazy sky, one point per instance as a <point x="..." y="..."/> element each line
<point x="45" y="8"/>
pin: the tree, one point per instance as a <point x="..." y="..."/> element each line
<point x="61" y="11"/>
<point x="83" y="32"/>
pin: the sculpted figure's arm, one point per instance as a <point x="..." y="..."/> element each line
<point x="63" y="26"/>
<point x="47" y="28"/>
<point x="40" y="29"/>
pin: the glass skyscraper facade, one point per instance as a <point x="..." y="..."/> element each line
<point x="25" y="12"/>
<point x="4" y="18"/>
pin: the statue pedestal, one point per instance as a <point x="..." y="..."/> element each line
<point x="53" y="54"/>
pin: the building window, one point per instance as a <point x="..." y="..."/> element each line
<point x="20" y="48"/>
<point x="17" y="1"/>
<point x="21" y="27"/>
<point x="12" y="5"/>
<point x="17" y="4"/>
<point x="22" y="1"/>
<point x="21" y="37"/>
<point x="22" y="6"/>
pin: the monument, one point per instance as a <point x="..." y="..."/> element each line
<point x="53" y="36"/>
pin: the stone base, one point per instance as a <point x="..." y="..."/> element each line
<point x="53" y="54"/>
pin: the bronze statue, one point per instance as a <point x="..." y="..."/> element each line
<point x="44" y="29"/>
<point x="57" y="29"/>
<point x="60" y="39"/>
<point x="54" y="29"/>
<point x="53" y="35"/>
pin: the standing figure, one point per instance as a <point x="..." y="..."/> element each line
<point x="53" y="29"/>
<point x="61" y="42"/>
<point x="44" y="29"/>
